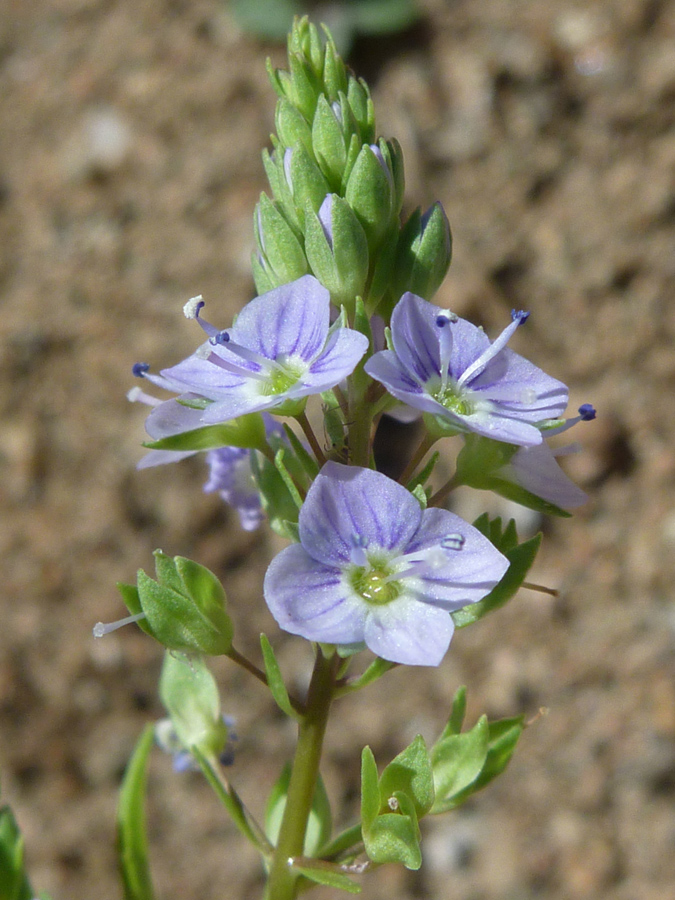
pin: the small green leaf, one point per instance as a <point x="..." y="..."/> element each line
<point x="275" y="680"/>
<point x="457" y="762"/>
<point x="411" y="773"/>
<point x="520" y="559"/>
<point x="14" y="884"/>
<point x="329" y="874"/>
<point x="131" y="828"/>
<point x="370" y="788"/>
<point x="394" y="837"/>
<point x="457" y="714"/>
<point x="247" y="432"/>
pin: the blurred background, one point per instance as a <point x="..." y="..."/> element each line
<point x="130" y="164"/>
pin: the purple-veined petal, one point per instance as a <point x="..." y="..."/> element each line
<point x="310" y="599"/>
<point x="291" y="320"/>
<point x="470" y="573"/>
<point x="347" y="504"/>
<point x="409" y="632"/>
<point x="170" y="418"/>
<point x="536" y="469"/>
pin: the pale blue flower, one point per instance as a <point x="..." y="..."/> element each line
<point x="447" y="367"/>
<point x="373" y="567"/>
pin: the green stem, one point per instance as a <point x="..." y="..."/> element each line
<point x="282" y="884"/>
<point x="233" y="803"/>
<point x="303" y="421"/>
<point x="246" y="664"/>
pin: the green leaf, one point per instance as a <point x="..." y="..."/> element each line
<point x="247" y="432"/>
<point x="370" y="788"/>
<point x="503" y="735"/>
<point x="456" y="719"/>
<point x="394" y="837"/>
<point x="411" y="773"/>
<point x="457" y="762"/>
<point x="329" y="874"/>
<point x="132" y="840"/>
<point x="14" y="884"/>
<point x="275" y="679"/>
<point x="520" y="559"/>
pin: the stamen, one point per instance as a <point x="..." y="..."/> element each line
<point x="137" y="395"/>
<point x="357" y="554"/>
<point x="479" y="365"/>
<point x="139" y="369"/>
<point x="586" y="412"/>
<point x="193" y="306"/>
<point x="433" y="560"/>
<point x="453" y="541"/>
<point x="443" y="319"/>
<point x="101" y="629"/>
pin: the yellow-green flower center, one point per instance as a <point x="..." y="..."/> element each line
<point x="372" y="586"/>
<point x="453" y="398"/>
<point x="281" y="378"/>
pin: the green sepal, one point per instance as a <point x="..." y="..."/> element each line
<point x="190" y="694"/>
<point x="329" y="143"/>
<point x="278" y="180"/>
<point x="264" y="280"/>
<point x="370" y="193"/>
<point x="246" y="431"/>
<point x="380" y="281"/>
<point x="335" y="79"/>
<point x="420" y="495"/>
<point x="423" y="253"/>
<point x="291" y="126"/>
<point x="306" y="84"/>
<point x="358" y="96"/>
<point x="277" y="243"/>
<point x="308" y="186"/>
<point x="186" y="608"/>
<point x="132" y="602"/>
<point x="132" y="840"/>
<point x="319" y="825"/>
<point x="370" y="788"/>
<point x="457" y="761"/>
<point x="342" y="268"/>
<point x="321" y="872"/>
<point x="275" y="680"/>
<point x="520" y="557"/>
<point x="14" y="883"/>
<point x="411" y="773"/>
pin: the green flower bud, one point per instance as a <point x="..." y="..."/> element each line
<point x="334" y="72"/>
<point x="362" y="108"/>
<point x="185" y="609"/>
<point x="282" y="258"/>
<point x="307" y="185"/>
<point x="337" y="250"/>
<point x="328" y="140"/>
<point x="292" y="127"/>
<point x="371" y="193"/>
<point x="423" y="253"/>
<point x="190" y="694"/>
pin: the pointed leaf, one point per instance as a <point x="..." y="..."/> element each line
<point x="131" y="828"/>
<point x="329" y="874"/>
<point x="275" y="680"/>
<point x="457" y="762"/>
<point x="370" y="789"/>
<point x="410" y="773"/>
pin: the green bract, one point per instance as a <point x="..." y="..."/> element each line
<point x="185" y="608"/>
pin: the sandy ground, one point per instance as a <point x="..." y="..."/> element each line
<point x="129" y="168"/>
